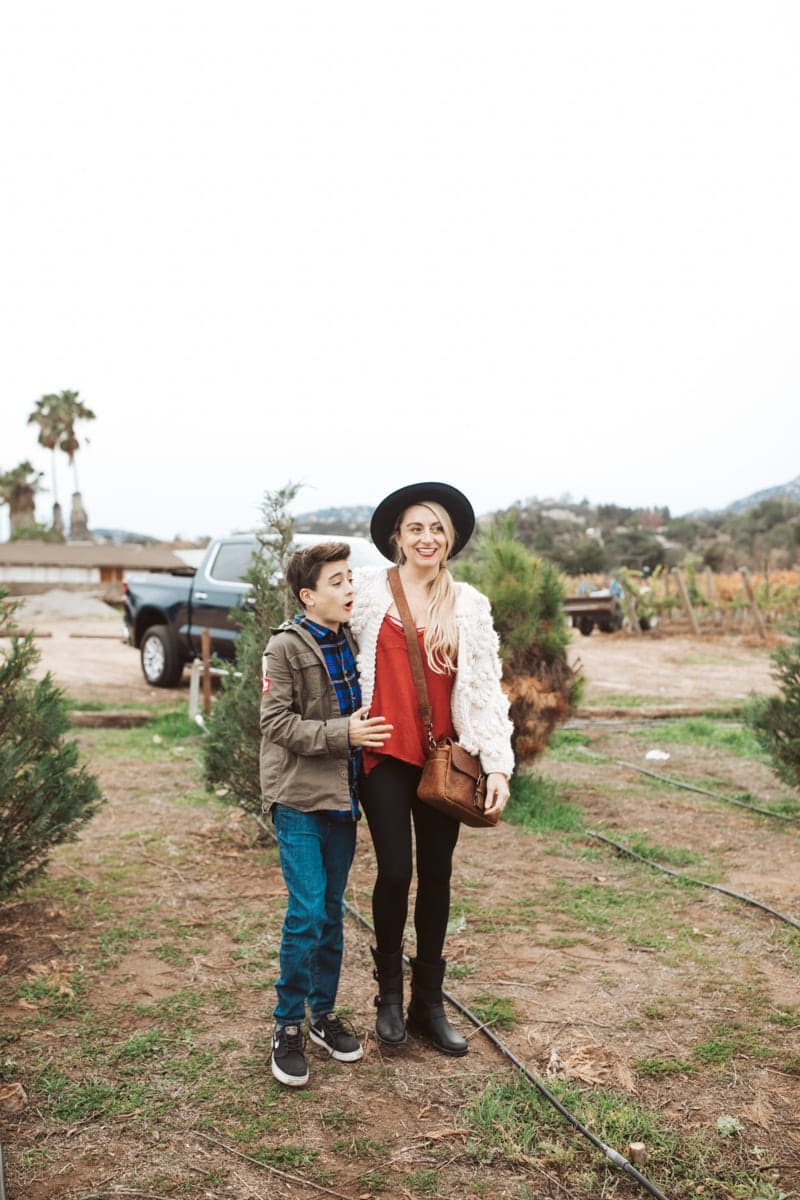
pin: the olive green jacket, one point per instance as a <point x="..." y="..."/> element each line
<point x="304" y="738"/>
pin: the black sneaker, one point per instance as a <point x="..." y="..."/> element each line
<point x="289" y="1065"/>
<point x="336" y="1036"/>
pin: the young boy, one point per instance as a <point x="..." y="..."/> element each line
<point x="313" y="728"/>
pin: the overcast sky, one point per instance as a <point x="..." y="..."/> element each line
<point x="526" y="248"/>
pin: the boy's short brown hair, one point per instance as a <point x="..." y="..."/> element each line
<point x="304" y="567"/>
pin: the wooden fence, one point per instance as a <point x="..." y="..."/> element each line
<point x="700" y="601"/>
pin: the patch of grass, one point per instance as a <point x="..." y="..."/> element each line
<point x="357" y="1147"/>
<point x="537" y="803"/>
<point x="787" y="806"/>
<point x="337" y="1117"/>
<point x="168" y="730"/>
<point x="640" y="914"/>
<point x="787" y="1017"/>
<point x="198" y="798"/>
<point x="721" y="734"/>
<point x="515" y="1120"/>
<point x="626" y="700"/>
<point x="727" y="1042"/>
<point x="564" y="743"/>
<point x="117" y="941"/>
<point x="496" y="1012"/>
<point x="661" y="1010"/>
<point x="460" y="970"/>
<point x="674" y="856"/>
<point x="178" y="1009"/>
<point x="423" y="1182"/>
<point x="658" y="1066"/>
<point x="286" y="1158"/>
<point x="171" y="954"/>
<point x="144" y="1045"/>
<point x="73" y="1100"/>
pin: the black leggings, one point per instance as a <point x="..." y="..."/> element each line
<point x="389" y="799"/>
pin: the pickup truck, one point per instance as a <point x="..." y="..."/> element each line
<point x="599" y="608"/>
<point x="165" y="613"/>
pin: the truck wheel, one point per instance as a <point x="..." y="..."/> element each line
<point x="586" y="625"/>
<point x="161" y="666"/>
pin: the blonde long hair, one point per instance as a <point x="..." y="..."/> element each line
<point x="441" y="630"/>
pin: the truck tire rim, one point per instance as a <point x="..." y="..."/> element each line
<point x="153" y="658"/>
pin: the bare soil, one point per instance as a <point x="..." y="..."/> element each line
<point x="591" y="999"/>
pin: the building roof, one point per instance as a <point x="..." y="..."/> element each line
<point x="86" y="554"/>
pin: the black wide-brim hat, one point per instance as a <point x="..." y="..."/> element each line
<point x="385" y="516"/>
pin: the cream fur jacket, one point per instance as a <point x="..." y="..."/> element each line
<point x="479" y="705"/>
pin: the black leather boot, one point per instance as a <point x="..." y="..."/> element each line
<point x="426" y="1016"/>
<point x="390" y="1028"/>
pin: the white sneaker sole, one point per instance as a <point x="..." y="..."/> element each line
<point x="288" y="1080"/>
<point x="339" y="1055"/>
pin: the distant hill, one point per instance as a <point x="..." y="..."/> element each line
<point x="122" y="536"/>
<point x="785" y="491"/>
<point x="350" y="519"/>
<point x="759" y="531"/>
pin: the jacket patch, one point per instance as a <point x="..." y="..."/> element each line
<point x="265" y="687"/>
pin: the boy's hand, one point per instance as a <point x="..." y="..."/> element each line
<point x="364" y="730"/>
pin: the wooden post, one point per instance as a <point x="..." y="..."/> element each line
<point x="630" y="602"/>
<point x="751" y="596"/>
<point x="687" y="604"/>
<point x="711" y="592"/>
<point x="205" y="650"/>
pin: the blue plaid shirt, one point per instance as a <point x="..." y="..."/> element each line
<point x="342" y="670"/>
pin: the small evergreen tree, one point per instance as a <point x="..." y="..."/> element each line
<point x="231" y="749"/>
<point x="526" y="594"/>
<point x="775" y="720"/>
<point x="45" y="795"/>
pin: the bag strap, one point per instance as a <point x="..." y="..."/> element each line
<point x="414" y="654"/>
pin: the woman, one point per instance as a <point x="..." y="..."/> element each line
<point x="419" y="528"/>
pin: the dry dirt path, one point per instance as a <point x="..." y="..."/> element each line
<point x="84" y="651"/>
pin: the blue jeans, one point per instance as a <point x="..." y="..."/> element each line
<point x="316" y="852"/>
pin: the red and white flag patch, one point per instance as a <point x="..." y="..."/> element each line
<point x="265" y="687"/>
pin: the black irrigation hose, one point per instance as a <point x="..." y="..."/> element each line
<point x="610" y="1153"/>
<point x="690" y="787"/>
<point x="697" y="882"/>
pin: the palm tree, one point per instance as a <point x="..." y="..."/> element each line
<point x="57" y="415"/>
<point x="71" y="409"/>
<point x="48" y="414"/>
<point x="18" y="489"/>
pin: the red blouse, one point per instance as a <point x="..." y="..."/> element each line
<point x="395" y="698"/>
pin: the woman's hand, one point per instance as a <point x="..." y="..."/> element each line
<point x="496" y="793"/>
<point x="364" y="730"/>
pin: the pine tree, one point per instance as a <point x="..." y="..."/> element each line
<point x="231" y="749"/>
<point x="45" y="795"/>
<point x="775" y="720"/>
<point x="526" y="595"/>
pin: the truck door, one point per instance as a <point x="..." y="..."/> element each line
<point x="218" y="587"/>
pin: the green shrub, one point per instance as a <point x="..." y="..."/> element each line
<point x="232" y="747"/>
<point x="45" y="795"/>
<point x="775" y="720"/>
<point x="527" y="598"/>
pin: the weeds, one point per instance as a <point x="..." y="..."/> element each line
<point x="537" y="803"/>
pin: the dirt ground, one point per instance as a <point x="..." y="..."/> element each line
<point x="82" y="646"/>
<point x="589" y="1002"/>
